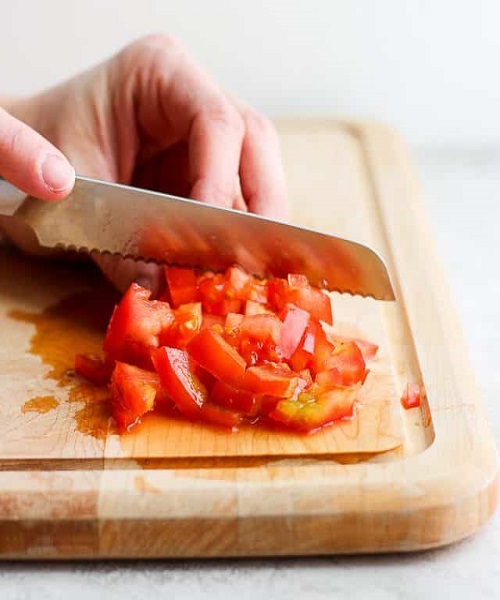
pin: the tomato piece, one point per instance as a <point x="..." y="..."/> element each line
<point x="297" y="291"/>
<point x="182" y="285"/>
<point x="348" y="360"/>
<point x="212" y="352"/>
<point x="216" y="297"/>
<point x="235" y="398"/>
<point x="368" y="349"/>
<point x="209" y="321"/>
<point x="233" y="321"/>
<point x="136" y="326"/>
<point x="297" y="280"/>
<point x="412" y="395"/>
<point x="313" y="408"/>
<point x="329" y="379"/>
<point x="133" y="393"/>
<point x="314" y="301"/>
<point x="218" y="415"/>
<point x="178" y="379"/>
<point x="256" y="308"/>
<point x="187" y="323"/>
<point x="323" y="348"/>
<point x="264" y="328"/>
<point x="271" y="379"/>
<point x="295" y="322"/>
<point x="93" y="368"/>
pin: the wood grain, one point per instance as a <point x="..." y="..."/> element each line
<point x="147" y="496"/>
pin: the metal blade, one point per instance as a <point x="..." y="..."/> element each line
<point x="105" y="217"/>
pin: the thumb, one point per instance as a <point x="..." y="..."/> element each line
<point x="31" y="163"/>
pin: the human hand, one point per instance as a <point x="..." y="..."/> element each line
<point x="149" y="117"/>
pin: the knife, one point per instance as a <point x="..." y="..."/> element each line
<point x="104" y="217"/>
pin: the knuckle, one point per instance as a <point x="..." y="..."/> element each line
<point x="227" y="117"/>
<point x="150" y="46"/>
<point x="260" y="125"/>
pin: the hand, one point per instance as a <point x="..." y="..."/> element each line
<point x="149" y="117"/>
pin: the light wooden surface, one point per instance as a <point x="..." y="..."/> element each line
<point x="70" y="488"/>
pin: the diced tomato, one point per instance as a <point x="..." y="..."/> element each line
<point x="256" y="308"/>
<point x="178" y="379"/>
<point x="212" y="352"/>
<point x="187" y="323"/>
<point x="349" y="361"/>
<point x="245" y="287"/>
<point x="217" y="415"/>
<point x="271" y="379"/>
<point x="182" y="285"/>
<point x="216" y="297"/>
<point x="297" y="292"/>
<point x="316" y="302"/>
<point x="295" y="322"/>
<point x="233" y="321"/>
<point x="133" y="393"/>
<point x="236" y="399"/>
<point x="297" y="280"/>
<point x="277" y="293"/>
<point x="255" y="352"/>
<point x="322" y="347"/>
<point x="368" y="349"/>
<point x="209" y="321"/>
<point x="264" y="328"/>
<point x="93" y="368"/>
<point x="412" y="396"/>
<point x="313" y="409"/>
<point x="329" y="379"/>
<point x="136" y="326"/>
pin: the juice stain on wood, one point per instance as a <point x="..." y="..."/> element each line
<point x="40" y="404"/>
<point x="74" y="325"/>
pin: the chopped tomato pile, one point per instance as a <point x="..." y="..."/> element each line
<point x="228" y="349"/>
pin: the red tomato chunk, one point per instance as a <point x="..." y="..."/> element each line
<point x="230" y="349"/>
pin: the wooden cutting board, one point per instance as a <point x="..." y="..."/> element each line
<point x="387" y="480"/>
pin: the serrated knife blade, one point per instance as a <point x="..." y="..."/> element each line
<point x="105" y="217"/>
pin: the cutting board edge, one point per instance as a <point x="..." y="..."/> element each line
<point x="471" y="486"/>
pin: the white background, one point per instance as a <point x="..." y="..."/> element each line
<point x="430" y="67"/>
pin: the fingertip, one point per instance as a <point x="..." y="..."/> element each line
<point x="58" y="176"/>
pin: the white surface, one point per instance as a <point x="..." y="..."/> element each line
<point x="463" y="193"/>
<point x="430" y="68"/>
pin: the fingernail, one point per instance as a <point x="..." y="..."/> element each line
<point x="58" y="175"/>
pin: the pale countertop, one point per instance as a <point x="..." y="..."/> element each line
<point x="462" y="191"/>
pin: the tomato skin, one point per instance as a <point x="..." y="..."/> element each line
<point x="133" y="394"/>
<point x="182" y="285"/>
<point x="212" y="352"/>
<point x="178" y="379"/>
<point x="93" y="368"/>
<point x="136" y="326"/>
<point x="412" y="396"/>
<point x="271" y="379"/>
<point x="313" y="408"/>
